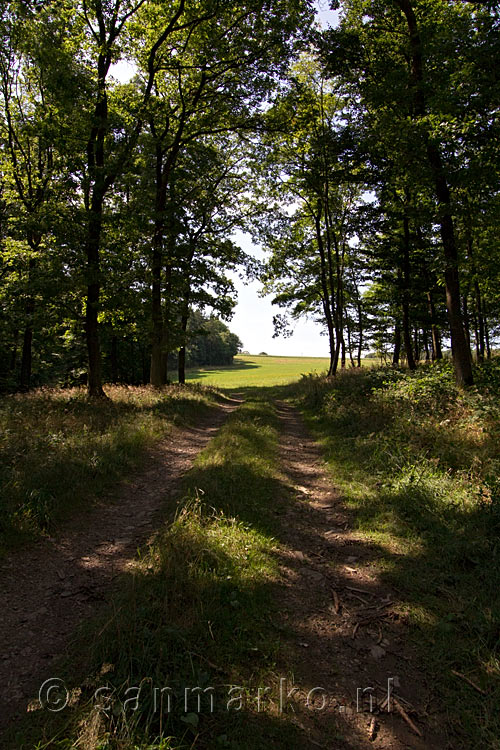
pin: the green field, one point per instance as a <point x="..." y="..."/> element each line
<point x="258" y="370"/>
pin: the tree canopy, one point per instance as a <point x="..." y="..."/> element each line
<point x="364" y="158"/>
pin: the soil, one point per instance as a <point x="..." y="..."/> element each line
<point x="345" y="630"/>
<point x="47" y="589"/>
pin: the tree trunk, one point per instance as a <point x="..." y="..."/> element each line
<point x="95" y="389"/>
<point x="326" y="297"/>
<point x="182" y="365"/>
<point x="480" y="321"/>
<point x="405" y="292"/>
<point x="360" y="330"/>
<point x="435" y="333"/>
<point x="182" y="350"/>
<point x="166" y="322"/>
<point x="336" y="355"/>
<point x="156" y="375"/>
<point x="465" y="307"/>
<point x="13" y="354"/>
<point x="27" y="356"/>
<point x="145" y="365"/>
<point x="461" y="352"/>
<point x="95" y="205"/>
<point x="486" y="335"/>
<point x="416" y="338"/>
<point x="425" y="339"/>
<point x="331" y="340"/>
<point x="349" y="342"/>
<point x="480" y="342"/>
<point x="473" y="317"/>
<point x="114" y="359"/>
<point x="157" y="372"/>
<point x="397" y="345"/>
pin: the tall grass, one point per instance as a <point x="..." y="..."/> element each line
<point x="418" y="461"/>
<point x="58" y="449"/>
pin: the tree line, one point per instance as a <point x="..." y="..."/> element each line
<point x="118" y="200"/>
<point x="386" y="183"/>
<point x="364" y="158"/>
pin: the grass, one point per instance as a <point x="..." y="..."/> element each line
<point x="197" y="611"/>
<point x="54" y="444"/>
<point x="418" y="463"/>
<point x="257" y="370"/>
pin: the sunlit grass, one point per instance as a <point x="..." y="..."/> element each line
<point x="249" y="370"/>
<point x="58" y="449"/>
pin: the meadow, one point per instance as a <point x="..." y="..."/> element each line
<point x="258" y="370"/>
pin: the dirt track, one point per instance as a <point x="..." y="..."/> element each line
<point x="47" y="589"/>
<point x="347" y="632"/>
<point x="344" y="629"/>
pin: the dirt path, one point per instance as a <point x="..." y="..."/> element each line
<point x="344" y="631"/>
<point x="49" y="588"/>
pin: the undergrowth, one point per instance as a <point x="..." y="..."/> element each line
<point x="55" y="444"/>
<point x="417" y="460"/>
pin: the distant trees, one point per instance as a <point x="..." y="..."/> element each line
<point x="210" y="342"/>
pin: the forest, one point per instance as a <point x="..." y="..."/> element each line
<point x="205" y="548"/>
<point x="364" y="158"/>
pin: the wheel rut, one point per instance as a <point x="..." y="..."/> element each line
<point x="346" y="632"/>
<point x="50" y="587"/>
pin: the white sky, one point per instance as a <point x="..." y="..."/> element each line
<point x="253" y="319"/>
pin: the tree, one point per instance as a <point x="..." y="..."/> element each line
<point x="309" y="167"/>
<point x="400" y="61"/>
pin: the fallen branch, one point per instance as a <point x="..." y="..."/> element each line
<point x="359" y="591"/>
<point x="469" y="681"/>
<point x="372" y="730"/>
<point x="359" y="598"/>
<point x="405" y="716"/>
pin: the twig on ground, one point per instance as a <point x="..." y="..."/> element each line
<point x="359" y="591"/>
<point x="359" y="598"/>
<point x="470" y="682"/>
<point x="405" y="716"/>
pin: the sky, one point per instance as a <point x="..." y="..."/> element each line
<point x="253" y="314"/>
